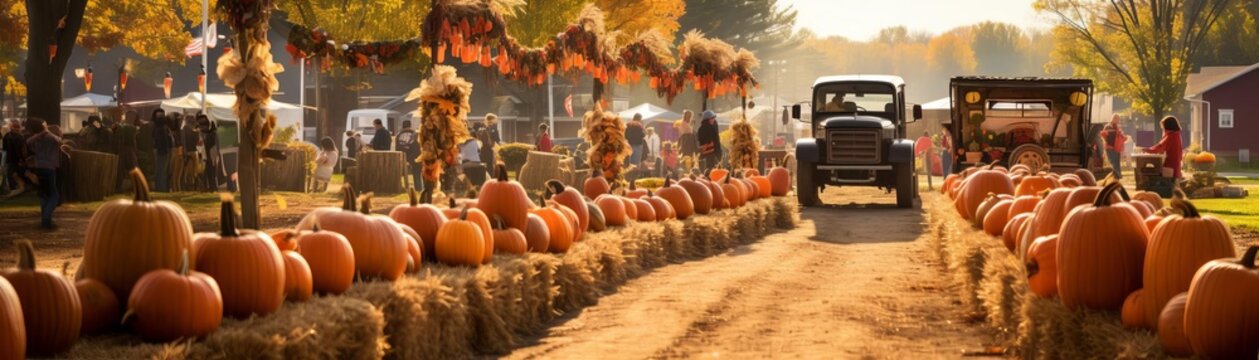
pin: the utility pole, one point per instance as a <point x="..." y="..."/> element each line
<point x="205" y="49"/>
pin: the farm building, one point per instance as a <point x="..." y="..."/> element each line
<point x="1225" y="116"/>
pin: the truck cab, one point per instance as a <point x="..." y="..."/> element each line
<point x="858" y="138"/>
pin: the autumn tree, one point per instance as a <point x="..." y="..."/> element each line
<point x="761" y="26"/>
<point x="1234" y="40"/>
<point x="1137" y="49"/>
<point x="631" y="17"/>
<point x="997" y="48"/>
<point x="542" y="19"/>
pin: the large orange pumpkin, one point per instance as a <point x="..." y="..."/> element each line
<point x="537" y="235"/>
<point x="126" y="239"/>
<point x="570" y="198"/>
<point x="1023" y="204"/>
<point x="50" y="305"/>
<point x="1178" y="247"/>
<point x="998" y="215"/>
<point x="635" y="192"/>
<point x="631" y="210"/>
<point x="982" y="211"/>
<point x="734" y="193"/>
<point x="1101" y="249"/>
<point x="12" y="326"/>
<point x="613" y="210"/>
<point x="503" y="197"/>
<point x="1152" y="221"/>
<point x="1035" y="184"/>
<point x="380" y="247"/>
<point x="415" y="255"/>
<point x="425" y="219"/>
<point x="1009" y="235"/>
<point x="779" y="180"/>
<point x="331" y="260"/>
<point x="460" y="242"/>
<point x="168" y="305"/>
<point x="101" y="308"/>
<point x="700" y="194"/>
<point x="482" y="220"/>
<point x="1048" y="217"/>
<point x="1042" y="266"/>
<point x="1220" y="317"/>
<point x="719" y="196"/>
<point x="1171" y="327"/>
<point x="558" y="225"/>
<point x="949" y="183"/>
<point x="509" y="240"/>
<point x="596" y="185"/>
<point x="662" y="207"/>
<point x="979" y="185"/>
<point x="247" y="264"/>
<point x="298" y="285"/>
<point x="645" y="211"/>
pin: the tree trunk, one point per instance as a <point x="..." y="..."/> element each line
<point x="43" y="71"/>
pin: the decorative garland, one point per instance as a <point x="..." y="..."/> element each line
<point x="317" y="43"/>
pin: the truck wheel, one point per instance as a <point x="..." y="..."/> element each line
<point x="904" y="186"/>
<point x="1031" y="155"/>
<point x="806" y="191"/>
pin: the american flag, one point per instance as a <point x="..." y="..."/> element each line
<point x="197" y="46"/>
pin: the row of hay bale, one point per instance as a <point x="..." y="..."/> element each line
<point x="992" y="283"/>
<point x="458" y="312"/>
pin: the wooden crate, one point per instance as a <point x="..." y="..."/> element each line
<point x="95" y="175"/>
<point x="380" y="172"/>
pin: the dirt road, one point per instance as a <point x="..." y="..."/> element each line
<point x="853" y="281"/>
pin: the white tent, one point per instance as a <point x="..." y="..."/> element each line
<point x="945" y="103"/>
<point x="88" y="102"/>
<point x="219" y="108"/>
<point x="651" y="113"/>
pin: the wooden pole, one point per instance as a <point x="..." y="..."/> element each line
<point x="426" y="194"/>
<point x="247" y="161"/>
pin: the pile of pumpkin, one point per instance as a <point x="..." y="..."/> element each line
<point x="143" y="266"/>
<point x="1167" y="269"/>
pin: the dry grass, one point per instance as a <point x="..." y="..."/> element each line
<point x="992" y="282"/>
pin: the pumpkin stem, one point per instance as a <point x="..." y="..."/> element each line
<point x="500" y="172"/>
<point x="633" y="185"/>
<point x="1187" y="209"/>
<point x="555" y="186"/>
<point x="227" y="216"/>
<point x="139" y="185"/>
<point x="668" y="181"/>
<point x="183" y="263"/>
<point x="1178" y="193"/>
<point x="365" y="204"/>
<point x="650" y="194"/>
<point x="1248" y="260"/>
<point x="1103" y="197"/>
<point x="452" y="203"/>
<point x="413" y="197"/>
<point x="498" y="222"/>
<point x="463" y="214"/>
<point x="994" y="164"/>
<point x="25" y="255"/>
<point x="1032" y="268"/>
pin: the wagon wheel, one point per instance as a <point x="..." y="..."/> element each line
<point x="1031" y="155"/>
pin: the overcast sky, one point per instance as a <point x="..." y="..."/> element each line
<point x="862" y="19"/>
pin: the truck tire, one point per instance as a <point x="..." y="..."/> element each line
<point x="1031" y="155"/>
<point x="806" y="190"/>
<point x="904" y="185"/>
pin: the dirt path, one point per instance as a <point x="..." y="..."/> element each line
<point x="852" y="281"/>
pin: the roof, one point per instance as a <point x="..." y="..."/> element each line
<point x="1210" y="77"/>
<point x="371" y="112"/>
<point x="650" y="112"/>
<point x="89" y="101"/>
<point x="889" y="79"/>
<point x="993" y="81"/>
<point x="944" y="103"/>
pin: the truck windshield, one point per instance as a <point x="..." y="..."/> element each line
<point x="840" y="98"/>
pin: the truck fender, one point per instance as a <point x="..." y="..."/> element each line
<point x="902" y="151"/>
<point x="807" y="150"/>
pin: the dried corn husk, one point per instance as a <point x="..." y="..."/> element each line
<point x="444" y="109"/>
<point x="254" y="81"/>
<point x="745" y="146"/>
<point x="605" y="132"/>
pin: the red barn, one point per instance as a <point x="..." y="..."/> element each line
<point x="1225" y="117"/>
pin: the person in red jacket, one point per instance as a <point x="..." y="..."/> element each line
<point x="1113" y="137"/>
<point x="544" y="138"/>
<point x="1170" y="145"/>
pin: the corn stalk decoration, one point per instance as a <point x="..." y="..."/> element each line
<point x="444" y="112"/>
<point x="745" y="146"/>
<point x="605" y="132"/>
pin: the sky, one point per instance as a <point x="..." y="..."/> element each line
<point x="862" y="19"/>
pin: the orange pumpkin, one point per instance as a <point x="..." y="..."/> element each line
<point x="613" y="210"/>
<point x="12" y="326"/>
<point x="596" y="185"/>
<point x="425" y="219"/>
<point x="482" y="220"/>
<point x="298" y="286"/>
<point x="537" y="235"/>
<point x="1154" y="199"/>
<point x="1048" y="217"/>
<point x="678" y="198"/>
<point x="662" y="207"/>
<point x="503" y="197"/>
<point x="718" y="174"/>
<point x="1152" y="221"/>
<point x="51" y="308"/>
<point x="101" y="308"/>
<point x="570" y="198"/>
<point x="1086" y="177"/>
<point x="631" y="210"/>
<point x="1070" y="181"/>
<point x="734" y="193"/>
<point x="719" y="196"/>
<point x="978" y="186"/>
<point x="460" y="242"/>
<point x="1144" y="209"/>
<point x="1035" y="184"/>
<point x="126" y="239"/>
<point x="285" y="239"/>
<point x="780" y="181"/>
<point x="998" y="215"/>
<point x="559" y="226"/>
<point x="246" y="263"/>
<point x="700" y="194"/>
<point x="634" y="192"/>
<point x="1133" y="312"/>
<point x="1179" y="246"/>
<point x="330" y="258"/>
<point x="645" y="211"/>
<point x="509" y="240"/>
<point x="1220" y="317"/>
<point x="1023" y="204"/>
<point x="1042" y="266"/>
<point x="1101" y="249"/>
<point x="1171" y="327"/>
<point x="167" y="305"/>
<point x="982" y="211"/>
<point x="1009" y="235"/>
<point x="380" y="247"/>
<point x="415" y="256"/>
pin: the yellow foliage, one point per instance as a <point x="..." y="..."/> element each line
<point x="632" y="17"/>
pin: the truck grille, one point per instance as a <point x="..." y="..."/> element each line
<point x="853" y="146"/>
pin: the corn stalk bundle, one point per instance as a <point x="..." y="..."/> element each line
<point x="605" y="132"/>
<point x="745" y="146"/>
<point x="253" y="79"/>
<point x="444" y="112"/>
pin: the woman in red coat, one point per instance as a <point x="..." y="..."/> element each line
<point x="1170" y="145"/>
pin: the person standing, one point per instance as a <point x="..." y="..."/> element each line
<point x="14" y="145"/>
<point x="43" y="155"/>
<point x="210" y="140"/>
<point x="351" y="144"/>
<point x="325" y="162"/>
<point x="637" y="138"/>
<point x="125" y="147"/>
<point x="162" y="143"/>
<point x="709" y="140"/>
<point x="1114" y="139"/>
<point x="946" y="152"/>
<point x="146" y="150"/>
<point x="176" y="165"/>
<point x="653" y="144"/>
<point x="1171" y="145"/>
<point x="92" y="134"/>
<point x="489" y="140"/>
<point x="191" y="141"/>
<point x="544" y="138"/>
<point x="407" y="143"/>
<point x="382" y="139"/>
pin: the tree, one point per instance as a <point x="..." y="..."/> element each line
<point x="949" y="54"/>
<point x="542" y="19"/>
<point x="1235" y="38"/>
<point x="631" y="17"/>
<point x="1138" y="49"/>
<point x="761" y="26"/>
<point x="998" y="48"/>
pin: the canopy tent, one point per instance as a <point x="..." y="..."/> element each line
<point x="945" y="103"/>
<point x="651" y="113"/>
<point x="219" y="108"/>
<point x="88" y="102"/>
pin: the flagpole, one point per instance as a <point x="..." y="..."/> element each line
<point x="550" y="106"/>
<point x="205" y="47"/>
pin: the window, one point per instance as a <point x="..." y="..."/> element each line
<point x="1226" y="118"/>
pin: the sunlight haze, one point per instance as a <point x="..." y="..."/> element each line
<point x="862" y="19"/>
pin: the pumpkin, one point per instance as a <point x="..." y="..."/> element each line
<point x="1023" y="204"/>
<point x="596" y="185"/>
<point x="425" y="219"/>
<point x="572" y="219"/>
<point x="330" y="258"/>
<point x="663" y="210"/>
<point x="503" y="197"/>
<point x="481" y="219"/>
<point x="1081" y="196"/>
<point x="646" y="212"/>
<point x="719" y="196"/>
<point x="1070" y="181"/>
<point x="460" y="242"/>
<point x="977" y="187"/>
<point x="380" y="247"/>
<point x="613" y="210"/>
<point x="126" y="239"/>
<point x="1042" y="266"/>
<point x="734" y="193"/>
<point x="982" y="211"/>
<point x="168" y="305"/>
<point x="1009" y="234"/>
<point x="751" y="172"/>
<point x="998" y="215"/>
<point x="570" y="198"/>
<point x="1154" y="199"/>
<point x="1101" y="249"/>
<point x="1086" y="177"/>
<point x="1144" y="209"/>
<point x="1179" y="246"/>
<point x="509" y="240"/>
<point x="1048" y="215"/>
<point x="51" y="308"/>
<point x="634" y="192"/>
<point x="700" y="194"/>
<point x="779" y="181"/>
<point x="1220" y="317"/>
<point x="537" y="235"/>
<point x="631" y="210"/>
<point x="1205" y="157"/>
<point x="718" y="174"/>
<point x="247" y="264"/>
<point x="760" y="186"/>
<point x="1133" y="312"/>
<point x="558" y="225"/>
<point x="12" y="326"/>
<point x="415" y="256"/>
<point x="949" y="183"/>
<point x="1035" y="184"/>
<point x="597" y="221"/>
<point x="101" y="308"/>
<point x="1152" y="221"/>
<point x="298" y="286"/>
<point x="285" y="240"/>
<point x="1171" y="327"/>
